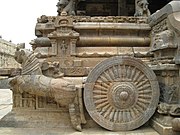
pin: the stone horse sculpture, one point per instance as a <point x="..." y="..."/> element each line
<point x="141" y="7"/>
<point x="68" y="6"/>
<point x="34" y="82"/>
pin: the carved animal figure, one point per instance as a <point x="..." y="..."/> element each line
<point x="33" y="82"/>
<point x="141" y="7"/>
<point x="68" y="6"/>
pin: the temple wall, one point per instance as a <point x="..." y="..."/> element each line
<point x="6" y="54"/>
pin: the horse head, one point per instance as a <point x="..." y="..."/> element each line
<point x="21" y="55"/>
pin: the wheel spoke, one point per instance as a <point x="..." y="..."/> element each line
<point x="102" y="105"/>
<point x="116" y="115"/>
<point x="100" y="87"/>
<point x="147" y="91"/>
<point x="119" y="91"/>
<point x="133" y="73"/>
<point x="111" y="74"/>
<point x="107" y="113"/>
<point x="108" y="77"/>
<point x="142" y="83"/>
<point x="100" y="92"/>
<point x="99" y="96"/>
<point x="115" y="70"/>
<point x="99" y="101"/>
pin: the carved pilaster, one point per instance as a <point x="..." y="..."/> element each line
<point x="54" y="47"/>
<point x="73" y="47"/>
<point x="64" y="36"/>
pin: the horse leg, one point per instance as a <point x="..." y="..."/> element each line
<point x="74" y="118"/>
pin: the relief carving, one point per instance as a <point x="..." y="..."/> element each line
<point x="168" y="93"/>
<point x="161" y="26"/>
<point x="111" y="19"/>
<point x="142" y="8"/>
<point x="51" y="69"/>
<point x="32" y="81"/>
<point x="169" y="109"/>
<point x="42" y="19"/>
<point x="163" y="39"/>
<point x="68" y="6"/>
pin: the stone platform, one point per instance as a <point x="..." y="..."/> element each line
<point x="69" y="131"/>
<point x="6" y="106"/>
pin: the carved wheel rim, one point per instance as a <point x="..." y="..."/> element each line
<point x="121" y="93"/>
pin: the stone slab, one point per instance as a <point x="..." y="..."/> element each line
<point x="161" y="129"/>
<point x="6" y="99"/>
<point x="69" y="131"/>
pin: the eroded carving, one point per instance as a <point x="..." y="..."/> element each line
<point x="163" y="39"/>
<point x="68" y="6"/>
<point x="33" y="82"/>
<point x="42" y="19"/>
<point x="142" y="8"/>
<point x="168" y="93"/>
<point x="160" y="27"/>
<point x="169" y="109"/>
<point x="122" y="90"/>
<point x="51" y="69"/>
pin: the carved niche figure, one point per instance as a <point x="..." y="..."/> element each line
<point x="42" y="19"/>
<point x="34" y="82"/>
<point x="164" y="38"/>
<point x="68" y="6"/>
<point x="141" y="7"/>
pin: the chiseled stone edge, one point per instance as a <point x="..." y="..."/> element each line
<point x="159" y="15"/>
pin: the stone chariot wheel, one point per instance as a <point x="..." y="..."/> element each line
<point x="121" y="93"/>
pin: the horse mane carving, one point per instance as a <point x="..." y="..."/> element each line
<point x="32" y="81"/>
<point x="29" y="63"/>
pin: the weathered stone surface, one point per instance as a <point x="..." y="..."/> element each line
<point x="165" y="47"/>
<point x="34" y="83"/>
<point x="67" y="6"/>
<point x="142" y="8"/>
<point x="121" y="93"/>
<point x="172" y="7"/>
<point x="104" y="57"/>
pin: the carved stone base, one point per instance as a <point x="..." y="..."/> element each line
<point x="33" y="119"/>
<point x="41" y="119"/>
<point x="162" y="124"/>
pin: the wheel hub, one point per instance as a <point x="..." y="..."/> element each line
<point x="122" y="95"/>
